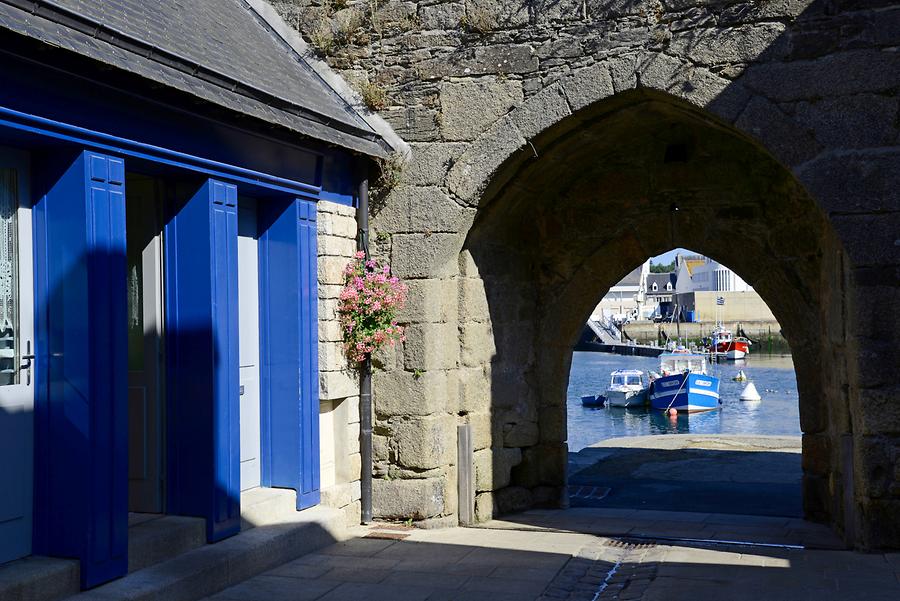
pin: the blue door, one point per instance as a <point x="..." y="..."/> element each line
<point x="16" y="353"/>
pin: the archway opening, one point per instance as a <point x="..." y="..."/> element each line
<point x="640" y="440"/>
<point x="629" y="178"/>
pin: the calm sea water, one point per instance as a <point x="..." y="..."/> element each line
<point x="773" y="375"/>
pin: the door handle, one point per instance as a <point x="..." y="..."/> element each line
<point x="26" y="359"/>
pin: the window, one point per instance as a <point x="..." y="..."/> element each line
<point x="655" y="287"/>
<point x="9" y="278"/>
<point x="668" y="286"/>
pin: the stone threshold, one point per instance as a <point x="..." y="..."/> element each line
<point x="211" y="568"/>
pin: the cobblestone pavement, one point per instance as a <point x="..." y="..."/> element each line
<point x="551" y="559"/>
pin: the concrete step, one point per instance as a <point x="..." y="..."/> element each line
<point x="156" y="538"/>
<point x="264" y="506"/>
<point x="211" y="568"/>
<point x="36" y="578"/>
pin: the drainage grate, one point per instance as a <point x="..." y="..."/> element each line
<point x="594" y="493"/>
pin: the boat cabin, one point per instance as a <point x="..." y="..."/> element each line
<point x="627" y="377"/>
<point x="676" y="363"/>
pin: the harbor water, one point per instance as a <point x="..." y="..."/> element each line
<point x="773" y="375"/>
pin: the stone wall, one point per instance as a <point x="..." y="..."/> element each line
<point x="504" y="212"/>
<point x="338" y="382"/>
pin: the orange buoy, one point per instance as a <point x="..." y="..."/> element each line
<point x="673" y="412"/>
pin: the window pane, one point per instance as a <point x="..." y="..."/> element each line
<point x="9" y="278"/>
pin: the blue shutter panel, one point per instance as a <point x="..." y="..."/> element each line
<point x="289" y="348"/>
<point x="81" y="451"/>
<point x="203" y="433"/>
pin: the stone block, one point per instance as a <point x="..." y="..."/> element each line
<point x="330" y="331"/>
<point x="469" y="107"/>
<point x="743" y="44"/>
<point x="354" y="469"/>
<point x="484" y="507"/>
<point x="870" y="240"/>
<point x="335" y="224"/>
<point x="474" y="390"/>
<point x="476" y="166"/>
<point x="430" y="162"/>
<point x="352" y="514"/>
<point x="431" y="346"/>
<point x="513" y="498"/>
<point x="336" y="246"/>
<point x="493" y="467"/>
<point x="404" y="499"/>
<point x="817" y="460"/>
<point x="467" y="266"/>
<point x="861" y="121"/>
<point x="839" y="74"/>
<point x="522" y="434"/>
<point x="380" y="448"/>
<point x="854" y="183"/>
<point x="332" y="357"/>
<point x="430" y="301"/>
<point x="422" y="209"/>
<point x="543" y="110"/>
<point x="587" y="86"/>
<point x="426" y="442"/>
<point x="878" y="411"/>
<point x="338" y="384"/>
<point x="336" y="496"/>
<point x="331" y="269"/>
<point x="504" y="59"/>
<point x="406" y="393"/>
<point x="413" y="123"/>
<point x="473" y="302"/>
<point x="782" y="136"/>
<point x="425" y="255"/>
<point x="477" y="346"/>
<point x="441" y="16"/>
<point x="482" y="426"/>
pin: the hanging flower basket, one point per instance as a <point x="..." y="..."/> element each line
<point x="368" y="307"/>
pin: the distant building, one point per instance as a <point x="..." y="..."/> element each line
<point x="625" y="300"/>
<point x="660" y="296"/>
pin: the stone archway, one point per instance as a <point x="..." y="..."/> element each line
<point x="485" y="230"/>
<point x="642" y="172"/>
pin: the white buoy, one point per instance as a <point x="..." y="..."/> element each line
<point x="750" y="393"/>
<point x="740" y="377"/>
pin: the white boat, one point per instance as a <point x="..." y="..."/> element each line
<point x="627" y="388"/>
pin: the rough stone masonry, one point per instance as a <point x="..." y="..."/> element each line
<point x="558" y="143"/>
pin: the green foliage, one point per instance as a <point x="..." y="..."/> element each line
<point x="662" y="267"/>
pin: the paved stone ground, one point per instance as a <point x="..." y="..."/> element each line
<point x="552" y="555"/>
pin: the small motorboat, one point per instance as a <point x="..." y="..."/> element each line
<point x="593" y="400"/>
<point x="627" y="388"/>
<point x="683" y="384"/>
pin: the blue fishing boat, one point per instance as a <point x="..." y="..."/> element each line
<point x="683" y="384"/>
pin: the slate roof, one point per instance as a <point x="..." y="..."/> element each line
<point x="661" y="279"/>
<point x="633" y="278"/>
<point x="218" y="50"/>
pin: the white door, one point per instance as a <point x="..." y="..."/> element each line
<point x="143" y="211"/>
<point x="248" y="333"/>
<point x="16" y="356"/>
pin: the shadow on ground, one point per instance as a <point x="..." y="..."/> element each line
<point x="764" y="483"/>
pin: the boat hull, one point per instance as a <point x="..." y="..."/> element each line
<point x="626" y="398"/>
<point x="732" y="351"/>
<point x="698" y="393"/>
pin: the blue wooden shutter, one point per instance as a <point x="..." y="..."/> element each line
<point x="289" y="348"/>
<point x="203" y="434"/>
<point x="81" y="450"/>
